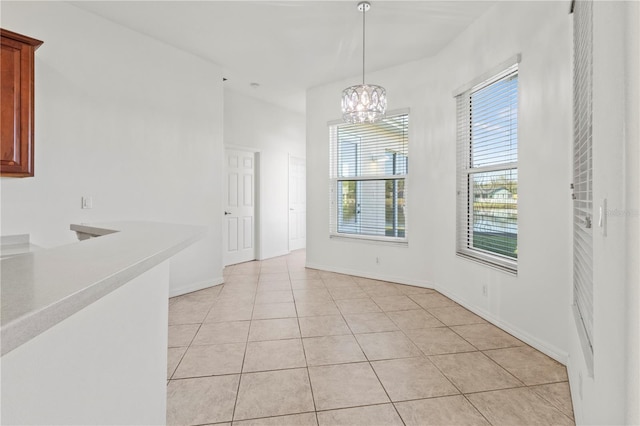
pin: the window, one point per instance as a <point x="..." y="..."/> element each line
<point x="487" y="203"/>
<point x="583" y="176"/>
<point x="368" y="171"/>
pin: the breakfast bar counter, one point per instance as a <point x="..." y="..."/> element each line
<point x="84" y="326"/>
<point x="42" y="288"/>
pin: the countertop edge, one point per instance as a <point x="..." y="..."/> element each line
<point x="28" y="326"/>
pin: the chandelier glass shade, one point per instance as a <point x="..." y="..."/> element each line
<point x="363" y="103"/>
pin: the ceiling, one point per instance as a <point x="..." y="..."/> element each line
<point x="289" y="46"/>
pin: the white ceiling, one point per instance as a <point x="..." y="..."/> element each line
<point x="289" y="46"/>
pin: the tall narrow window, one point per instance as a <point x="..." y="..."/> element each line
<point x="487" y="216"/>
<point x="368" y="171"/>
<point x="582" y="175"/>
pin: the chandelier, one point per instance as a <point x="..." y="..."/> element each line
<point x="364" y="103"/>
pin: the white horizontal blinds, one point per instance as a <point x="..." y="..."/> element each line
<point x="464" y="160"/>
<point x="488" y="170"/>
<point x="494" y="123"/>
<point x="369" y="165"/>
<point x="582" y="171"/>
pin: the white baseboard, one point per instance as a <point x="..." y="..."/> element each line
<point x="272" y="255"/>
<point x="373" y="276"/>
<point x="561" y="356"/>
<point x="544" y="347"/>
<point x="189" y="288"/>
<point x="576" y="398"/>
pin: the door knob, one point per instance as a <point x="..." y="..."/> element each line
<point x="227" y="213"/>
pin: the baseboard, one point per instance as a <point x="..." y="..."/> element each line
<point x="189" y="288"/>
<point x="271" y="255"/>
<point x="550" y="350"/>
<point x="373" y="276"/>
<point x="576" y="399"/>
<point x="544" y="347"/>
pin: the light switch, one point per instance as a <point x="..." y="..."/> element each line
<point x="602" y="219"/>
<point x="87" y="202"/>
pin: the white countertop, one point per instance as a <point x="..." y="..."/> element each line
<point x="42" y="288"/>
<point x="11" y="245"/>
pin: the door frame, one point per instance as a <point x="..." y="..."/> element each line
<point x="256" y="200"/>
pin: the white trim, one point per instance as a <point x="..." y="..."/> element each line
<point x="278" y="254"/>
<point x="544" y="347"/>
<point x="573" y="373"/>
<point x="465" y="170"/>
<point x="373" y="276"/>
<point x="497" y="262"/>
<point x="587" y="351"/>
<point x="496" y="71"/>
<point x="257" y="240"/>
<point x="289" y="201"/>
<point x="492" y="168"/>
<point x="190" y="288"/>
<point x="583" y="238"/>
<point x="334" y="180"/>
<point x="289" y="157"/>
<point x="554" y="352"/>
<point x="392" y="241"/>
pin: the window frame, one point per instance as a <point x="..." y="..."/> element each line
<point x="465" y="170"/>
<point x="582" y="181"/>
<point x="334" y="179"/>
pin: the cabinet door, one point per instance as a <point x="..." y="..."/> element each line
<point x="16" y="115"/>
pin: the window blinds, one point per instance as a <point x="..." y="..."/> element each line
<point x="582" y="171"/>
<point x="368" y="169"/>
<point x="487" y="181"/>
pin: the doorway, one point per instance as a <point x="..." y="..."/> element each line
<point x="239" y="210"/>
<point x="297" y="203"/>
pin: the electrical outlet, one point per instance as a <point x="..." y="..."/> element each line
<point x="485" y="290"/>
<point x="377" y="260"/>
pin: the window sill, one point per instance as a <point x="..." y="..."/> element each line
<point x="398" y="242"/>
<point x="494" y="262"/>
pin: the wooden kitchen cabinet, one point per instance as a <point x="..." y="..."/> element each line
<point x="17" y="103"/>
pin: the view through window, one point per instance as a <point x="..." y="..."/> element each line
<point x="369" y="167"/>
<point x="488" y="170"/>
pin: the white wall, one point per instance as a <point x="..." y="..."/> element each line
<point x="610" y="395"/>
<point x="535" y="304"/>
<point x="275" y="133"/>
<point x="104" y="365"/>
<point x="632" y="166"/>
<point x="130" y="121"/>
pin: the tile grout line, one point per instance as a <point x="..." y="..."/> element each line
<point x="244" y="356"/>
<point x="530" y="388"/>
<point x="304" y="353"/>
<point x="374" y="370"/>
<point x="192" y="339"/>
<point x="476" y="408"/>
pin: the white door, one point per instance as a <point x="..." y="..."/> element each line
<point x="239" y="213"/>
<point x="297" y="203"/>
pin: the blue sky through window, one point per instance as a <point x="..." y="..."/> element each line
<point x="494" y="123"/>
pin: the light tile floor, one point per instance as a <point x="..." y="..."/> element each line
<point x="279" y="344"/>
